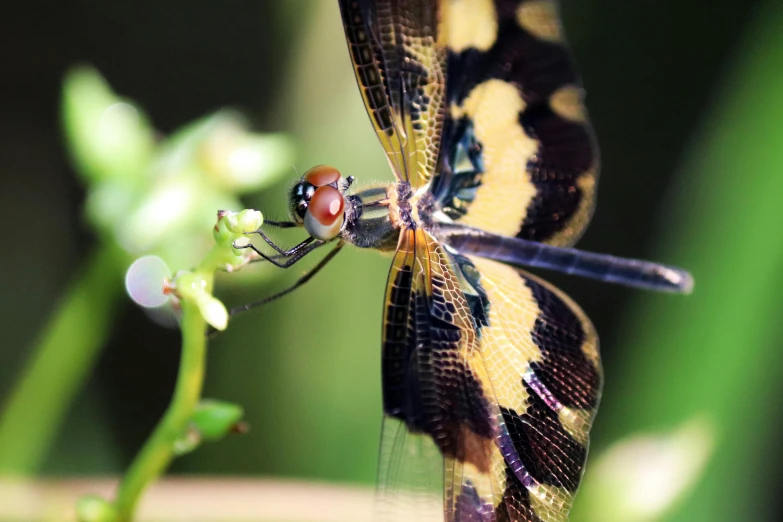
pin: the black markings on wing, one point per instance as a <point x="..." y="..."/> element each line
<point x="455" y="189"/>
<point x="565" y="153"/>
<point x="426" y="382"/>
<point x="397" y="349"/>
<point x="476" y="297"/>
<point x="470" y="507"/>
<point x="563" y="166"/>
<point x="428" y="385"/>
<point x="549" y="453"/>
<point x="515" y="505"/>
<point x="399" y="70"/>
<point x="441" y="384"/>
<point x="518" y="57"/>
<point x="542" y="443"/>
<point x="566" y="372"/>
<point x="367" y="57"/>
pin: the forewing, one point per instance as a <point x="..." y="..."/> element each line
<point x="518" y="155"/>
<point x="400" y="69"/>
<point x="499" y="372"/>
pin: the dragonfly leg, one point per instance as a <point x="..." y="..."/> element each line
<point x="290" y="251"/>
<point x="299" y="282"/>
<point x="293" y="255"/>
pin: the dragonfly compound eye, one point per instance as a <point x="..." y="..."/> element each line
<point x="299" y="200"/>
<point x="325" y="214"/>
<point x="322" y="175"/>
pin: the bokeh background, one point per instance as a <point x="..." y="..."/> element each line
<point x="687" y="101"/>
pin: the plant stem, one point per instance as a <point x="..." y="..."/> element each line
<point x="158" y="451"/>
<point x="60" y="362"/>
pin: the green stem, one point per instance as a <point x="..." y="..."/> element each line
<point x="60" y="362"/>
<point x="158" y="451"/>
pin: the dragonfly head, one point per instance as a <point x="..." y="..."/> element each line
<point x="317" y="201"/>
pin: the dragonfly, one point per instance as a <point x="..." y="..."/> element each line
<point x="491" y="376"/>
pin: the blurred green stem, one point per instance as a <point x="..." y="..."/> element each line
<point x="158" y="451"/>
<point x="60" y="361"/>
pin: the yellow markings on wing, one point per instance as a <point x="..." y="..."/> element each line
<point x="503" y="197"/>
<point x="541" y="19"/>
<point x="506" y="352"/>
<point x="507" y="348"/>
<point x="567" y="102"/>
<point x="422" y="113"/>
<point x="514" y="90"/>
<point x="477" y="460"/>
<point x="550" y="503"/>
<point x="525" y="460"/>
<point x="577" y="423"/>
<point x="587" y="183"/>
<point x="480" y="475"/>
<point x="470" y="24"/>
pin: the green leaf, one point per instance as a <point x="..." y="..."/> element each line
<point x="211" y="421"/>
<point x="215" y="419"/>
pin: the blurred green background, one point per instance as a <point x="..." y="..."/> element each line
<point x="687" y="101"/>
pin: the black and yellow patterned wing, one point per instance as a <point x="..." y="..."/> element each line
<point x="518" y="155"/>
<point x="540" y="356"/>
<point x="400" y="69"/>
<point x="481" y="97"/>
<point x="499" y="372"/>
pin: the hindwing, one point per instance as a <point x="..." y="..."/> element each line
<point x="495" y="371"/>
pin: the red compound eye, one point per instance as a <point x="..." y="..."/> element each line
<point x="324" y="217"/>
<point x="327" y="205"/>
<point x="322" y="175"/>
